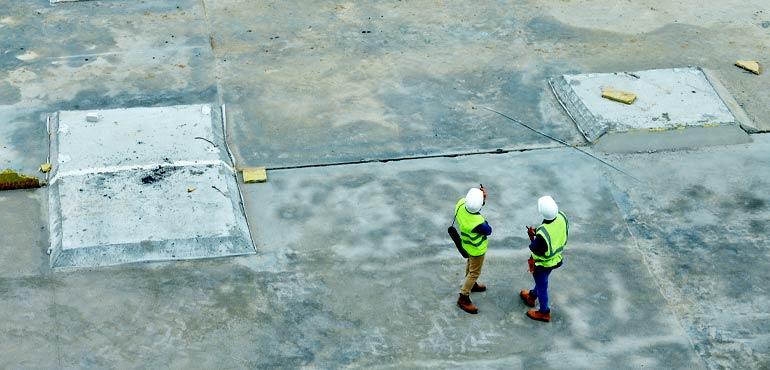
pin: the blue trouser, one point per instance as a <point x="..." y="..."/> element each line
<point x="540" y="291"/>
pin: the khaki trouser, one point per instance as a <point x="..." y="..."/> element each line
<point x="472" y="272"/>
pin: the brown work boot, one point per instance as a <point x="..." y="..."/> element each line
<point x="478" y="287"/>
<point x="528" y="299"/>
<point x="539" y="316"/>
<point x="465" y="303"/>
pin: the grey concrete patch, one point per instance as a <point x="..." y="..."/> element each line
<point x="283" y="82"/>
<point x="9" y="94"/>
<point x="697" y="229"/>
<point x="151" y="184"/>
<point x="666" y="99"/>
<point x="24" y="243"/>
<point x="29" y="330"/>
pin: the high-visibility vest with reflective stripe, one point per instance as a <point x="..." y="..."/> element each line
<point x="555" y="235"/>
<point x="473" y="243"/>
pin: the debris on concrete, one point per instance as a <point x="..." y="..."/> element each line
<point x="254" y="174"/>
<point x="11" y="180"/>
<point x="749" y="65"/>
<point x="157" y="174"/>
<point x="618" y="95"/>
<point x="45" y="168"/>
<point x="92" y="117"/>
<point x="191" y="189"/>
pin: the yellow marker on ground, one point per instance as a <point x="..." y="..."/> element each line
<point x="749" y="65"/>
<point x="10" y="179"/>
<point x="254" y="174"/>
<point x="618" y="96"/>
<point x="45" y="168"/>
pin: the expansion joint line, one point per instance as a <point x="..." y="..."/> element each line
<point x="212" y="43"/>
<point x="412" y="158"/>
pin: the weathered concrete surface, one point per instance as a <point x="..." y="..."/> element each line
<point x="296" y="105"/>
<point x="347" y="288"/>
<point x="366" y="280"/>
<point x="704" y="235"/>
<point x="370" y="279"/>
<point x="408" y="88"/>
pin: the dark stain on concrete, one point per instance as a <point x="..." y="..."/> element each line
<point x="295" y="212"/>
<point x="96" y="99"/>
<point x="549" y="28"/>
<point x="699" y="192"/>
<point x="356" y="180"/>
<point x="749" y="202"/>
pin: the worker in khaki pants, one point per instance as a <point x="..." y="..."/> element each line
<point x="474" y="230"/>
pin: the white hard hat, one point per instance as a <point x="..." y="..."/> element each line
<point x="474" y="200"/>
<point x="547" y="207"/>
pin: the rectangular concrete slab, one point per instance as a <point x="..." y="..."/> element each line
<point x="142" y="184"/>
<point x="667" y="99"/>
<point x="371" y="241"/>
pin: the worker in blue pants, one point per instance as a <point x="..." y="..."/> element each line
<point x="547" y="242"/>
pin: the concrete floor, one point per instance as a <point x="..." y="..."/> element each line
<point x="353" y="267"/>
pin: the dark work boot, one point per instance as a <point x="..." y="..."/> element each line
<point x="478" y="287"/>
<point x="539" y="316"/>
<point x="528" y="298"/>
<point x="465" y="303"/>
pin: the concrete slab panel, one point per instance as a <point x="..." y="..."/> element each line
<point x="28" y="335"/>
<point x="119" y="187"/>
<point x="407" y="88"/>
<point x="698" y="219"/>
<point x="356" y="247"/>
<point x="667" y="99"/>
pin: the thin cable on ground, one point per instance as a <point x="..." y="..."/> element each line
<point x="562" y="142"/>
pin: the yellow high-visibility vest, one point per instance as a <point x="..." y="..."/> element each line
<point x="473" y="243"/>
<point x="555" y="235"/>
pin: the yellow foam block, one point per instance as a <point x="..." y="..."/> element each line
<point x="749" y="65"/>
<point x="10" y="180"/>
<point x="45" y="167"/>
<point x="618" y="96"/>
<point x="254" y="174"/>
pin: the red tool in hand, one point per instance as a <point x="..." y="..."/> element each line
<point x="531" y="232"/>
<point x="483" y="191"/>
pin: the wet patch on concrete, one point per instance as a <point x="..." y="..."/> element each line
<point x="548" y="28"/>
